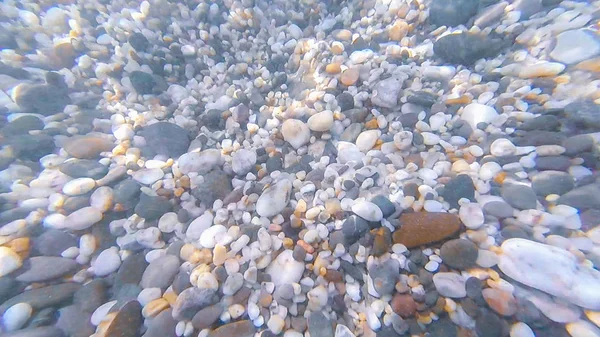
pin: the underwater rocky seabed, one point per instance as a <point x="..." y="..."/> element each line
<point x="299" y="168"/>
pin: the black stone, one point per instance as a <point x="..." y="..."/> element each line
<point x="384" y="204"/>
<point x="138" y="41"/>
<point x="466" y="48"/>
<point x="216" y="185"/>
<point x="352" y="270"/>
<point x="423" y="98"/>
<point x="556" y="163"/>
<point x="142" y="82"/>
<point x="473" y="287"/>
<point x="459" y="253"/>
<point x="22" y="125"/>
<point x="152" y="207"/>
<point x="345" y="101"/>
<point x="459" y="187"/>
<point x="166" y="139"/>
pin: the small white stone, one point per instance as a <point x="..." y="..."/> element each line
<point x="574" y="46"/>
<point x="243" y="161"/>
<point x="433" y="206"/>
<point x="199" y="225"/>
<point x="489" y="170"/>
<point x="284" y="269"/>
<point x="83" y="218"/>
<point x="188" y="50"/>
<point x="108" y="261"/>
<point x="276" y="324"/>
<point x="549" y="150"/>
<point x="321" y="121"/>
<point x="343" y="331"/>
<point x="502" y="147"/>
<point x="16" y="316"/>
<point x="431" y="266"/>
<point x="430" y="138"/>
<point x="295" y="132"/>
<point x="471" y="215"/>
<point x="367" y="139"/>
<point x="102" y="199"/>
<point x="148" y="295"/>
<point x="207" y="280"/>
<point x="274" y="199"/>
<point x="208" y="238"/>
<point x="101" y="312"/>
<point x="476" y="113"/>
<point x="367" y="210"/>
<point x="148" y="176"/>
<point x="521" y="329"/>
<point x="486" y="259"/>
<point x="79" y="186"/>
<point x="201" y="162"/>
<point x="450" y="285"/>
<point x="403" y="140"/>
<point x="9" y="261"/>
<point x="385" y="93"/>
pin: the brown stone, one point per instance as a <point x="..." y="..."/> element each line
<point x="500" y="301"/>
<point x="333" y="276"/>
<point x="343" y="34"/>
<point x="238" y="329"/>
<point x="592" y="65"/>
<point x="87" y="147"/>
<point x="333" y="68"/>
<point x="349" y="76"/>
<point x="404" y="305"/>
<point x="398" y="31"/>
<point x="423" y="228"/>
<point x="382" y="241"/>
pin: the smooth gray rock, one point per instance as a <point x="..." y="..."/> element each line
<point x="45" y="268"/>
<point x="161" y="272"/>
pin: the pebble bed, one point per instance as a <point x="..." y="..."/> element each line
<point x="241" y="168"/>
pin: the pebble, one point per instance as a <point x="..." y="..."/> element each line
<point x="321" y="121"/>
<point x="476" y="113"/>
<point x="276" y="324"/>
<point x="403" y="305"/>
<point x="500" y="301"/>
<point x="160" y="272"/>
<point x="552" y="182"/>
<point x="87" y="147"/>
<point x="354" y="228"/>
<point x="274" y="199"/>
<point x="525" y="261"/>
<point x="367" y="210"/>
<point x="342" y="331"/>
<point x="83" y="218"/>
<point x="452" y="13"/>
<point x="503" y="147"/>
<point x="206" y="317"/>
<point x="152" y="207"/>
<point x="366" y="140"/>
<point x="243" y="161"/>
<point x="459" y="254"/>
<point x="319" y="325"/>
<point x="285" y="269"/>
<point x="44" y="297"/>
<point x="16" y="316"/>
<point x="190" y="301"/>
<point x="102" y="199"/>
<point x="582" y="329"/>
<point x="421" y="228"/>
<point x="161" y="325"/>
<point x="82" y="168"/>
<point x="574" y="46"/>
<point x="519" y="196"/>
<point x="467" y="47"/>
<point x="9" y="261"/>
<point x="385" y="93"/>
<point x="44" y="268"/>
<point x="148" y="176"/>
<point x="471" y="215"/>
<point x="349" y="76"/>
<point x="457" y="188"/>
<point x="107" y="262"/>
<point x="198" y="226"/>
<point x="450" y="285"/>
<point x="166" y="139"/>
<point x="295" y="132"/>
<point x="582" y="198"/>
<point x="521" y="329"/>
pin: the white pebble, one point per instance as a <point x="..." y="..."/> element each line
<point x="79" y="186"/>
<point x="16" y="316"/>
<point x="502" y="147"/>
<point x="471" y="215"/>
<point x="107" y="262"/>
<point x="521" y="329"/>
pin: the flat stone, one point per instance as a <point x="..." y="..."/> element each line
<point x="91" y="295"/>
<point x="502" y="302"/>
<point x="582" y="198"/>
<point x="459" y="254"/>
<point x="83" y="168"/>
<point x="43" y="99"/>
<point x="453" y="12"/>
<point x="44" y="331"/>
<point x="142" y="82"/>
<point x="466" y="48"/>
<point x="384" y="276"/>
<point x="385" y="93"/>
<point x="138" y="41"/>
<point x="216" y="185"/>
<point x="166" y="139"/>
<point x="574" y="46"/>
<point x="75" y="322"/>
<point x="519" y="196"/>
<point x="236" y="329"/>
<point x="319" y="325"/>
<point x="422" y="228"/>
<point x="552" y="182"/>
<point x="131" y="270"/>
<point x="160" y="272"/>
<point x="43" y="297"/>
<point x="22" y="125"/>
<point x="161" y="325"/>
<point x="274" y="199"/>
<point x="191" y="300"/>
<point x="201" y="162"/>
<point x="443" y="327"/>
<point x="206" y="317"/>
<point x="32" y="147"/>
<point x="450" y="285"/>
<point x="577" y="144"/>
<point x="459" y="187"/>
<point x="554" y="163"/>
<point x="53" y="242"/>
<point x="152" y="207"/>
<point x="45" y="268"/>
<point x="87" y="147"/>
<point x="243" y="161"/>
<point x="128" y="321"/>
<point x="526" y="262"/>
<point x="488" y="324"/>
<point x="499" y="209"/>
<point x="583" y="114"/>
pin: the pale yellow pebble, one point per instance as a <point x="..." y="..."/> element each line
<point x="155" y="307"/>
<point x="593" y="316"/>
<point x="219" y="255"/>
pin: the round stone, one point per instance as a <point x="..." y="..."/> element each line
<point x="367" y="210"/>
<point x="459" y="254"/>
<point x="321" y="121"/>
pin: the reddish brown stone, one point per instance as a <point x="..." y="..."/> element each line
<point x="423" y="228"/>
<point x="404" y="305"/>
<point x="500" y="301"/>
<point x="87" y="147"/>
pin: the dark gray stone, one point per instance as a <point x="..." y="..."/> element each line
<point x="22" y="125"/>
<point x="206" y="317"/>
<point x="357" y="115"/>
<point x="8" y="286"/>
<point x="457" y="188"/>
<point x="142" y="82"/>
<point x="91" y="295"/>
<point x="443" y="328"/>
<point x="452" y="12"/>
<point x="354" y="228"/>
<point x="499" y="209"/>
<point x="44" y="331"/>
<point x="488" y="324"/>
<point x="552" y="182"/>
<point x="45" y="268"/>
<point x="152" y="207"/>
<point x="423" y="98"/>
<point x="539" y="137"/>
<point x="578" y="144"/>
<point x="32" y="147"/>
<point x="510" y="232"/>
<point x="459" y="254"/>
<point x="384" y="276"/>
<point x="166" y="139"/>
<point x="216" y="185"/>
<point x="345" y="101"/>
<point x="319" y="325"/>
<point x="554" y="163"/>
<point x="466" y="48"/>
<point x="75" y="322"/>
<point x="543" y="122"/>
<point x="519" y="196"/>
<point x="53" y="242"/>
<point x="384" y="204"/>
<point x="43" y="99"/>
<point x="191" y="300"/>
<point x="128" y="320"/>
<point x="43" y="297"/>
<point x="584" y="113"/>
<point x="181" y="282"/>
<point x="138" y="41"/>
<point x="160" y="272"/>
<point x="582" y="198"/>
<point x="126" y="193"/>
<point x="83" y="168"/>
<point x="131" y="270"/>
